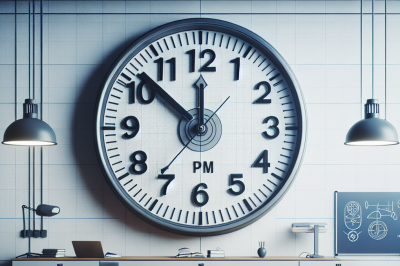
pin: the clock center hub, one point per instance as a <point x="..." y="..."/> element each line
<point x="205" y="137"/>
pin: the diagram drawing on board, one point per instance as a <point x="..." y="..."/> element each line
<point x="378" y="229"/>
<point x="352" y="219"/>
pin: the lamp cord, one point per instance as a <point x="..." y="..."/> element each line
<point x="385" y="61"/>
<point x="33" y="50"/>
<point x="29" y="52"/>
<point x="373" y="40"/>
<point x="16" y="63"/>
<point x="361" y="55"/>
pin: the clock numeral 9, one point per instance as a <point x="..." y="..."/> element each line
<point x="131" y="87"/>
<point x="262" y="161"/>
<point x="160" y="68"/>
<point x="274" y="126"/>
<point x="232" y="182"/>
<point x="206" y="67"/>
<point x="196" y="192"/>
<point x="141" y="162"/>
<point x="130" y="123"/>
<point x="267" y="92"/>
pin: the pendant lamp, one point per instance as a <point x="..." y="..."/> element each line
<point x="30" y="131"/>
<point x="372" y="131"/>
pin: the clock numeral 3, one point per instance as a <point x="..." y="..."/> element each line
<point x="130" y="123"/>
<point x="206" y="67"/>
<point x="139" y="162"/>
<point x="262" y="161"/>
<point x="196" y="192"/>
<point x="274" y="126"/>
<point x="160" y="68"/>
<point x="232" y="182"/>
<point x="267" y="92"/>
<point x="164" y="187"/>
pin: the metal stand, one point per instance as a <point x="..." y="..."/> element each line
<point x="316" y="243"/>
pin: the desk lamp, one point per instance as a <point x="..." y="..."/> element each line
<point x="315" y="228"/>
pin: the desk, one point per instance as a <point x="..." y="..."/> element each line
<point x="228" y="261"/>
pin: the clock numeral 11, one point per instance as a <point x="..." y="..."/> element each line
<point x="160" y="68"/>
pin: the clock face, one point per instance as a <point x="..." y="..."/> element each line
<point x="200" y="127"/>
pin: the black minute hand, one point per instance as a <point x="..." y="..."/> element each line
<point x="165" y="96"/>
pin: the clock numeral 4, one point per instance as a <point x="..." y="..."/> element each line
<point x="130" y="123"/>
<point x="232" y="182"/>
<point x="203" y="195"/>
<point x="267" y="92"/>
<point x="165" y="186"/>
<point x="160" y="68"/>
<point x="206" y="67"/>
<point x="141" y="162"/>
<point x="262" y="161"/>
<point x="274" y="126"/>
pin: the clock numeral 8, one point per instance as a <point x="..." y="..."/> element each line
<point x="196" y="192"/>
<point x="130" y="123"/>
<point x="139" y="162"/>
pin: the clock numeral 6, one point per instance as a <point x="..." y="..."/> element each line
<point x="206" y="67"/>
<point x="267" y="92"/>
<point x="262" y="161"/>
<point x="151" y="93"/>
<point x="130" y="123"/>
<point x="196" y="192"/>
<point x="141" y="162"/>
<point x="274" y="126"/>
<point x="164" y="187"/>
<point x="232" y="182"/>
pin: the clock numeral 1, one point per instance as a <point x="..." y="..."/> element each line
<point x="130" y="123"/>
<point x="262" y="161"/>
<point x="160" y="68"/>
<point x="141" y="162"/>
<point x="274" y="126"/>
<point x="164" y="187"/>
<point x="267" y="92"/>
<point x="232" y="182"/>
<point x="236" y="67"/>
<point x="196" y="192"/>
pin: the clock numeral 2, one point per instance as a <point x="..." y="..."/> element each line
<point x="206" y="67"/>
<point x="160" y="68"/>
<point x="267" y="92"/>
<point x="274" y="126"/>
<point x="165" y="186"/>
<point x="196" y="192"/>
<point x="262" y="161"/>
<point x="232" y="182"/>
<point x="130" y="123"/>
<point x="141" y="162"/>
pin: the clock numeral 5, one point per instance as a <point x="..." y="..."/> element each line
<point x="206" y="67"/>
<point x="164" y="187"/>
<point x="232" y="182"/>
<point x="141" y="162"/>
<point x="131" y="87"/>
<point x="196" y="192"/>
<point x="267" y="92"/>
<point x="262" y="161"/>
<point x="274" y="126"/>
<point x="130" y="123"/>
<point x="160" y="68"/>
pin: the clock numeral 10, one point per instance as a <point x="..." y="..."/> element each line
<point x="160" y="68"/>
<point x="262" y="161"/>
<point x="140" y="162"/>
<point x="130" y="123"/>
<point x="196" y="192"/>
<point x="131" y="87"/>
<point x="232" y="182"/>
<point x="206" y="67"/>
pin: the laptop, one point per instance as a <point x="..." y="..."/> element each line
<point x="88" y="249"/>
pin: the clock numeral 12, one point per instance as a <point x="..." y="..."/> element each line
<point x="206" y="67"/>
<point x="262" y="161"/>
<point x="160" y="68"/>
<point x="196" y="192"/>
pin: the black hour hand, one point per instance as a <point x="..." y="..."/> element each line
<point x="143" y="76"/>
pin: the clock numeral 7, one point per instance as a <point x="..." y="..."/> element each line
<point x="232" y="182"/>
<point x="164" y="187"/>
<point x="140" y="87"/>
<point x="130" y="123"/>
<point x="141" y="162"/>
<point x="196" y="192"/>
<point x="206" y="67"/>
<point x="160" y="68"/>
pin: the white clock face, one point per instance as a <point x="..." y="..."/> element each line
<point x="199" y="131"/>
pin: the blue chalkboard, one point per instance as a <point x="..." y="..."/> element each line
<point x="367" y="223"/>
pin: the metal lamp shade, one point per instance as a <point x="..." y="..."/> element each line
<point x="29" y="131"/>
<point x="372" y="131"/>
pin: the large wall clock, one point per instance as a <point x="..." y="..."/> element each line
<point x="200" y="127"/>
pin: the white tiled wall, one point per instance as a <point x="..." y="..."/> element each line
<point x="319" y="39"/>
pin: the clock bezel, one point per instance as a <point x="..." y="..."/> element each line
<point x="187" y="25"/>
